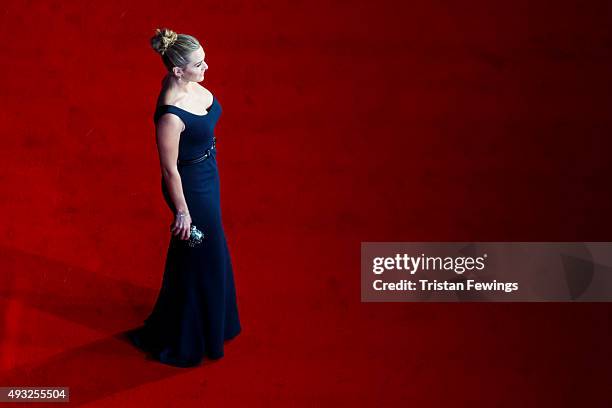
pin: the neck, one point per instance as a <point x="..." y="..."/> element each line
<point x="181" y="85"/>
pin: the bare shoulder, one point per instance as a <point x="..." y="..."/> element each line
<point x="169" y="122"/>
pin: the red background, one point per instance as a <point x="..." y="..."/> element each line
<point x="343" y="122"/>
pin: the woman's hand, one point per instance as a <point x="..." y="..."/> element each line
<point x="181" y="227"/>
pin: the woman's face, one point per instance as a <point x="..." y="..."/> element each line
<point x="194" y="71"/>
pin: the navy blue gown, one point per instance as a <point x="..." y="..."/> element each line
<point x="196" y="309"/>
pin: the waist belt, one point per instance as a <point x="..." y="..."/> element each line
<point x="203" y="157"/>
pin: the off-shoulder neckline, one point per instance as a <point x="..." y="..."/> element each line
<point x="191" y="113"/>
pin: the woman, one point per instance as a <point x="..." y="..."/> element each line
<point x="196" y="308"/>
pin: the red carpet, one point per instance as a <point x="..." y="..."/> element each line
<point x="342" y="122"/>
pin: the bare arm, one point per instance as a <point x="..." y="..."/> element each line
<point x="168" y="132"/>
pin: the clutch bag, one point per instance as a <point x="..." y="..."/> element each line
<point x="195" y="238"/>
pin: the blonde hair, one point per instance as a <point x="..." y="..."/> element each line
<point x="174" y="48"/>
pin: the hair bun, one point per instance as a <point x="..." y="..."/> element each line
<point x="163" y="39"/>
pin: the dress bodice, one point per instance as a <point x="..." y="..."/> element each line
<point x="199" y="129"/>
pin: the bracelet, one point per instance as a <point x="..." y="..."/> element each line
<point x="181" y="214"/>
